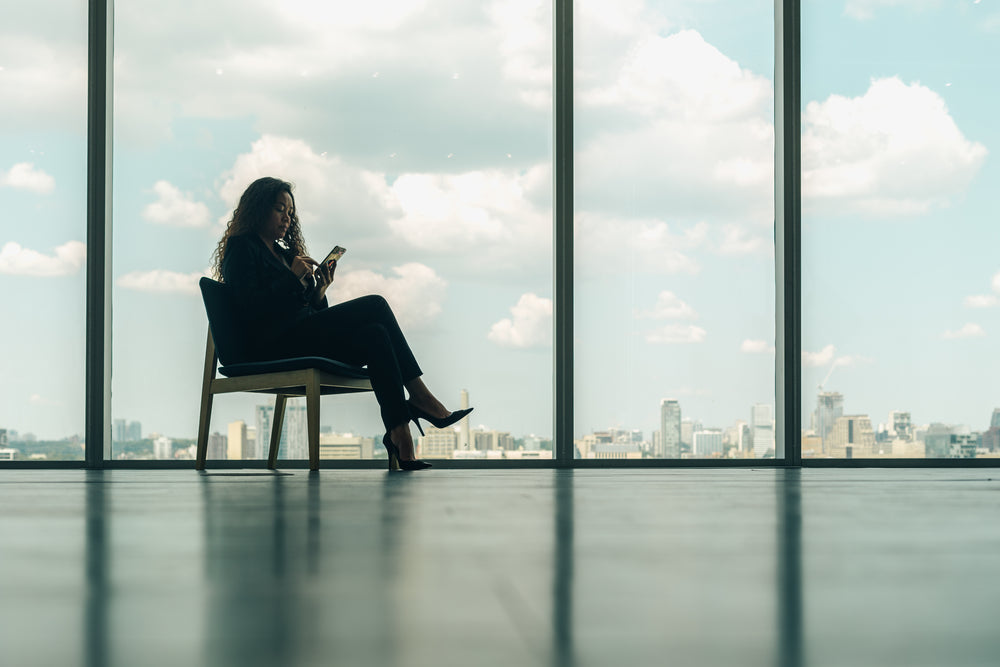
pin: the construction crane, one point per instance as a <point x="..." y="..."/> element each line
<point x="832" y="366"/>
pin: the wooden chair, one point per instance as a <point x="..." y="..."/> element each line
<point x="311" y="377"/>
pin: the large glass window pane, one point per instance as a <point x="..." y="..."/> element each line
<point x="674" y="216"/>
<point x="900" y="277"/>
<point x="43" y="196"/>
<point x="417" y="134"/>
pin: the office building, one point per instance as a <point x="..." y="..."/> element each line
<point x="829" y="408"/>
<point x="294" y="443"/>
<point x="670" y="429"/>
<point x="707" y="443"/>
<point x="851" y="436"/>
<point x="762" y="430"/>
<point x="237" y="444"/>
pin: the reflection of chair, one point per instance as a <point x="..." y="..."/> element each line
<point x="300" y="376"/>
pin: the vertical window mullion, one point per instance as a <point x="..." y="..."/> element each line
<point x="787" y="231"/>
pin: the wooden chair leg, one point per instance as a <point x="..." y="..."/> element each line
<point x="276" y="419"/>
<point x="205" y="419"/>
<point x="312" y="419"/>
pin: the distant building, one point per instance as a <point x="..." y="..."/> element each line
<point x="485" y="441"/>
<point x="119" y="430"/>
<point x="163" y="448"/>
<point x="851" y="436"/>
<point x="134" y="432"/>
<point x="345" y="446"/>
<point x="3" y="437"/>
<point x="899" y="426"/>
<point x="216" y="447"/>
<point x="937" y="441"/>
<point x="294" y="443"/>
<point x="439" y="443"/>
<point x="991" y="438"/>
<point x="617" y="451"/>
<point x="707" y="443"/>
<point x="237" y="444"/>
<point x="688" y="429"/>
<point x="670" y="429"/>
<point x="762" y="430"/>
<point x="829" y="408"/>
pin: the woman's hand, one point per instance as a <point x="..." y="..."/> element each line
<point x="324" y="276"/>
<point x="303" y="266"/>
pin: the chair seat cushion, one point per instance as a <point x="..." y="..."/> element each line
<point x="294" y="364"/>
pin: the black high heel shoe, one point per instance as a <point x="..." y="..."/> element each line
<point x="416" y="414"/>
<point x="397" y="463"/>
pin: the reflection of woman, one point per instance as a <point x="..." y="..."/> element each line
<point x="281" y="292"/>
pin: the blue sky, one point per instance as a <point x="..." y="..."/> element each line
<point x="419" y="137"/>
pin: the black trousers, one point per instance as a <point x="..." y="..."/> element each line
<point x="361" y="331"/>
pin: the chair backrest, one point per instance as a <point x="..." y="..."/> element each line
<point x="224" y="320"/>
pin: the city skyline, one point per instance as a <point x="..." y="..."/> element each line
<point x="435" y="171"/>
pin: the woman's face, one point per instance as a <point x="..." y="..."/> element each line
<point x="278" y="220"/>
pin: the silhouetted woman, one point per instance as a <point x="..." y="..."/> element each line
<point x="281" y="292"/>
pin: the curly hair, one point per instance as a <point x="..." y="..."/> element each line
<point x="251" y="212"/>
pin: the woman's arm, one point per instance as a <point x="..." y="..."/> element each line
<point x="258" y="283"/>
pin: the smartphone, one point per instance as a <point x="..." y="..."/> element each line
<point x="334" y="255"/>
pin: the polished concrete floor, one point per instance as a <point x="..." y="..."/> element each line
<point x="467" y="568"/>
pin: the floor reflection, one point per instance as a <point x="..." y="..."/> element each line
<point x="96" y="557"/>
<point x="789" y="575"/>
<point x="257" y="570"/>
<point x="562" y="569"/>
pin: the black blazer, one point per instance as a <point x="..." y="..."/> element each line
<point x="270" y="298"/>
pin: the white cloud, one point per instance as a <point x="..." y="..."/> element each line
<point x="160" y="281"/>
<point x="677" y="333"/>
<point x="756" y="346"/>
<point x="415" y="293"/>
<point x="530" y="324"/>
<point x="468" y="209"/>
<point x="608" y="243"/>
<point x="68" y="259"/>
<point x="821" y="358"/>
<point x="25" y="176"/>
<point x="970" y="330"/>
<point x="981" y="301"/>
<point x="681" y="76"/>
<point x="174" y="208"/>
<point x="479" y="219"/>
<point x="671" y="127"/>
<point x="996" y="283"/>
<point x="737" y="241"/>
<point x="669" y="307"/>
<point x="893" y="151"/>
<point x="864" y="10"/>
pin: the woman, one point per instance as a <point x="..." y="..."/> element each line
<point x="281" y="292"/>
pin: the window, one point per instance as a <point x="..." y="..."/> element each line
<point x="900" y="282"/>
<point x="418" y="135"/>
<point x="674" y="257"/>
<point x="43" y="196"/>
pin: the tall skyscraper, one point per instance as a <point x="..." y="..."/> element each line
<point x="762" y="429"/>
<point x="216" y="449"/>
<point x="991" y="438"/>
<point x="670" y="429"/>
<point x="119" y="430"/>
<point x="134" y="432"/>
<point x="829" y="408"/>
<point x="294" y="443"/>
<point x="236" y="446"/>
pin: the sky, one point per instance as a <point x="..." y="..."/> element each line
<point x="419" y="136"/>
